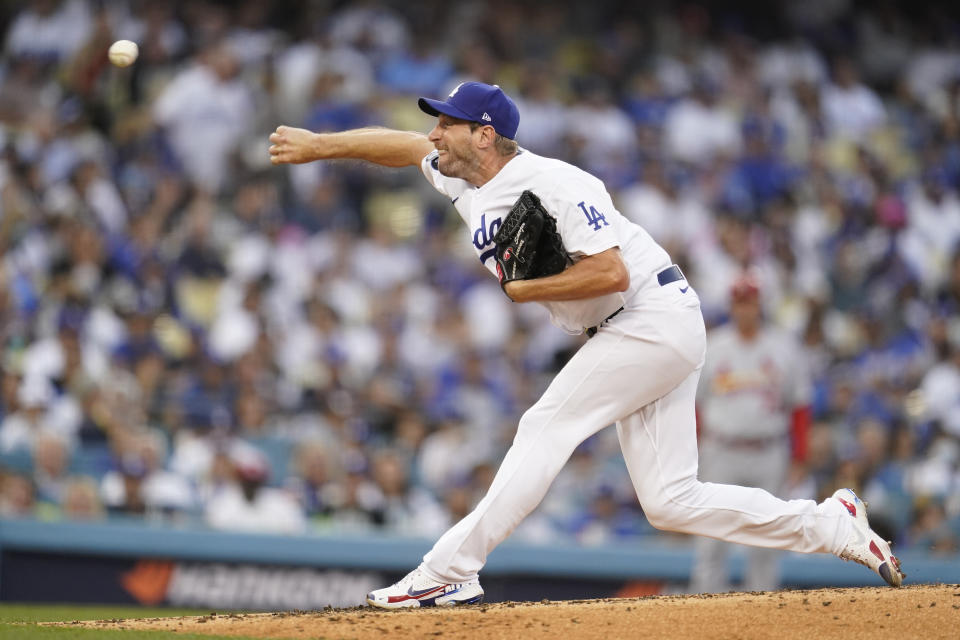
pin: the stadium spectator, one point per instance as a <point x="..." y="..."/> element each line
<point x="81" y="500"/>
<point x="50" y="30"/>
<point x="206" y="106"/>
<point x="851" y="109"/>
<point x="17" y="496"/>
<point x="24" y="428"/>
<point x="51" y="458"/>
<point x="247" y="505"/>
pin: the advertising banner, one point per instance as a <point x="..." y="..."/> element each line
<point x="53" y="577"/>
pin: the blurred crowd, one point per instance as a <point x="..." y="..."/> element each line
<point x="190" y="335"/>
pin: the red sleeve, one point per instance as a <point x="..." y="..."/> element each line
<point x="799" y="432"/>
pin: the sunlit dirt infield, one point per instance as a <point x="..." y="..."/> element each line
<point x="922" y="611"/>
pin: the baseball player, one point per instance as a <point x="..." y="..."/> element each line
<point x="753" y="400"/>
<point x="639" y="369"/>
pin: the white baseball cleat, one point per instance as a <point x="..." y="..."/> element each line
<point x="417" y="590"/>
<point x="864" y="546"/>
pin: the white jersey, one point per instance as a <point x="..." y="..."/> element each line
<point x="749" y="388"/>
<point x="586" y="219"/>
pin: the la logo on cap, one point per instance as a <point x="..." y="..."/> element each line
<point x="455" y="89"/>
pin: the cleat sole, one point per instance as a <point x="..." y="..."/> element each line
<point x="457" y="603"/>
<point x="885" y="573"/>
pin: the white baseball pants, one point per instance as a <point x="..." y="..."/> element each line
<point x="765" y="468"/>
<point x="639" y="371"/>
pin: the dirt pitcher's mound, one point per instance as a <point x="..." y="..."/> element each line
<point x="922" y="611"/>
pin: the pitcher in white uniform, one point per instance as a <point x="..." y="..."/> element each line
<point x="639" y="370"/>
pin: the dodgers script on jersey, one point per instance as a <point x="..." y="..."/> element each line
<point x="586" y="220"/>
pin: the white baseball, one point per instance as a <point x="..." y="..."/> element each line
<point x="123" y="52"/>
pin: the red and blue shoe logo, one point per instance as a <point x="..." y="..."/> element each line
<point x="852" y="509"/>
<point x="418" y="595"/>
<point x="851" y="506"/>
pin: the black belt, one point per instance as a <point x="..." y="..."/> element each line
<point x="665" y="277"/>
<point x="592" y="331"/>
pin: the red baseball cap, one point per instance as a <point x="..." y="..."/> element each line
<point x="745" y="287"/>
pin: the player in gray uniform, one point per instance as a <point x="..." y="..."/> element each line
<point x="754" y="406"/>
<point x="639" y="369"/>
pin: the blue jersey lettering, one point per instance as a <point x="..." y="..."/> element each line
<point x="483" y="236"/>
<point x="594" y="217"/>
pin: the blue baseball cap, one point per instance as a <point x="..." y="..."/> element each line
<point x="478" y="102"/>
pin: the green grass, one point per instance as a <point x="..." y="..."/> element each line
<point x="58" y="613"/>
<point x="16" y="622"/>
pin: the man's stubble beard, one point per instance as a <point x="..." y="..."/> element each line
<point x="456" y="165"/>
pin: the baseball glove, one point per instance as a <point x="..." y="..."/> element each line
<point x="528" y="243"/>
